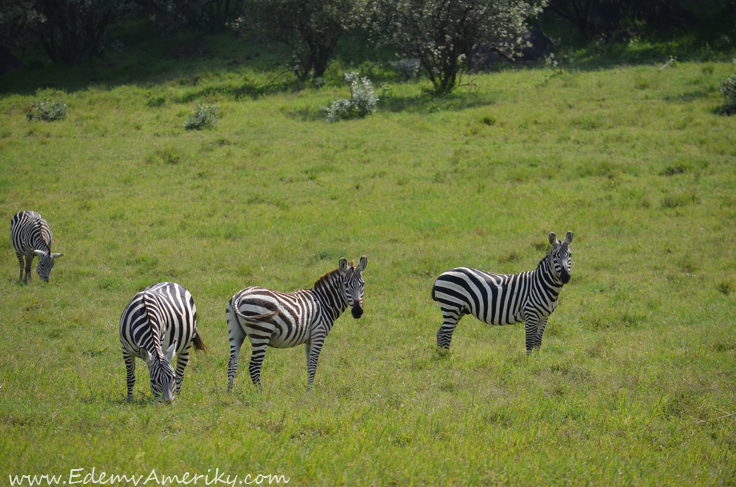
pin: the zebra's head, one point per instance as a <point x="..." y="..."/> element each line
<point x="352" y="281"/>
<point x="162" y="374"/>
<point x="560" y="257"/>
<point x="45" y="263"/>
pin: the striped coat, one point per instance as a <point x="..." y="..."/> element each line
<point x="158" y="324"/>
<point x="283" y="320"/>
<point x="31" y="237"/>
<point x="502" y="299"/>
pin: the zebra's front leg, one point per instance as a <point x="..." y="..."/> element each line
<point x="181" y="363"/>
<point x="450" y="317"/>
<point x="129" y="360"/>
<point x="540" y="332"/>
<point x="315" y="347"/>
<point x="530" y="329"/>
<point x="29" y="264"/>
<point x="256" y="360"/>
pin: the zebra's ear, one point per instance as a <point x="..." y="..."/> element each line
<point x="171" y="352"/>
<point x="343" y="265"/>
<point x="56" y="256"/>
<point x="568" y="239"/>
<point x="147" y="357"/>
<point x="40" y="253"/>
<point x="362" y="264"/>
<point x="553" y="239"/>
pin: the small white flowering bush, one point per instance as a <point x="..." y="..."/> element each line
<point x="406" y="67"/>
<point x="204" y="116"/>
<point x="728" y="90"/>
<point x="362" y="100"/>
<point x="47" y="110"/>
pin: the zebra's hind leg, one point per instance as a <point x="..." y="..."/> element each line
<point x="237" y="336"/>
<point x="182" y="359"/>
<point x="258" y="353"/>
<point x="450" y="316"/>
<point x="129" y="360"/>
<point x="20" y="261"/>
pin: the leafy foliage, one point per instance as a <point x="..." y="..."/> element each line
<point x="174" y="15"/>
<point x="47" y="110"/>
<point x="440" y="32"/>
<point x="311" y="28"/>
<point x="728" y="90"/>
<point x="68" y="30"/>
<point x="362" y="100"/>
<point x="204" y="116"/>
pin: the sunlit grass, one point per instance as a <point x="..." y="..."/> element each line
<point x="635" y="380"/>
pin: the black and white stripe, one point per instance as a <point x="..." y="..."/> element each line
<point x="32" y="237"/>
<point x="284" y="320"/>
<point x="161" y="317"/>
<point x="502" y="299"/>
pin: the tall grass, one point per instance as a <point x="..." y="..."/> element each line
<point x="634" y="383"/>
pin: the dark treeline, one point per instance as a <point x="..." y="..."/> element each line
<point x="439" y="34"/>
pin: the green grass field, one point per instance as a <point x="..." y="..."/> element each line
<point x="635" y="383"/>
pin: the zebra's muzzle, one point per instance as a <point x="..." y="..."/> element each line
<point x="357" y="312"/>
<point x="564" y="277"/>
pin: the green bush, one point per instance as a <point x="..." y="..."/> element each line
<point x="728" y="90"/>
<point x="47" y="110"/>
<point x="204" y="116"/>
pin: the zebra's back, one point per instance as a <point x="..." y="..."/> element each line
<point x="285" y="318"/>
<point x="158" y="316"/>
<point x="29" y="232"/>
<point x="496" y="299"/>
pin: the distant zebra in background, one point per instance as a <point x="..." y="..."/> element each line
<point x="284" y="320"/>
<point x="32" y="237"/>
<point x="161" y="317"/>
<point x="502" y="299"/>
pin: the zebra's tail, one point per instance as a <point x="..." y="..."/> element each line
<point x="198" y="343"/>
<point x="255" y="318"/>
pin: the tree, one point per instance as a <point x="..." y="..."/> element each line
<point x="172" y="15"/>
<point x="311" y="28"/>
<point x="440" y="33"/>
<point x="576" y="11"/>
<point x="69" y="30"/>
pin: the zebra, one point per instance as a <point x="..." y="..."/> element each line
<point x="31" y="237"/>
<point x="161" y="317"/>
<point x="502" y="299"/>
<point x="284" y="320"/>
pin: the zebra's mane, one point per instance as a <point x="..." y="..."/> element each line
<point x="329" y="277"/>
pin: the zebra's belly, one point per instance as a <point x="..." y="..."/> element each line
<point x="286" y="341"/>
<point x="502" y="320"/>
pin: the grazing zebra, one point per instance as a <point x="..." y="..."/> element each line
<point x="502" y="299"/>
<point x="283" y="320"/>
<point x="161" y="317"/>
<point x="31" y="237"/>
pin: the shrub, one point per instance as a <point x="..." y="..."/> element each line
<point x="204" y="116"/>
<point x="728" y="90"/>
<point x="47" y="110"/>
<point x="362" y="100"/>
<point x="406" y="67"/>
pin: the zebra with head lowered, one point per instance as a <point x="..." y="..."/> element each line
<point x="502" y="299"/>
<point x="161" y="317"/>
<point x="31" y="237"/>
<point x="284" y="320"/>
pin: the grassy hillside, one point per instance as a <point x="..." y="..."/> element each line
<point x="635" y="382"/>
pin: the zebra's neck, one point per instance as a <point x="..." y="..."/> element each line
<point x="329" y="292"/>
<point x="546" y="276"/>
